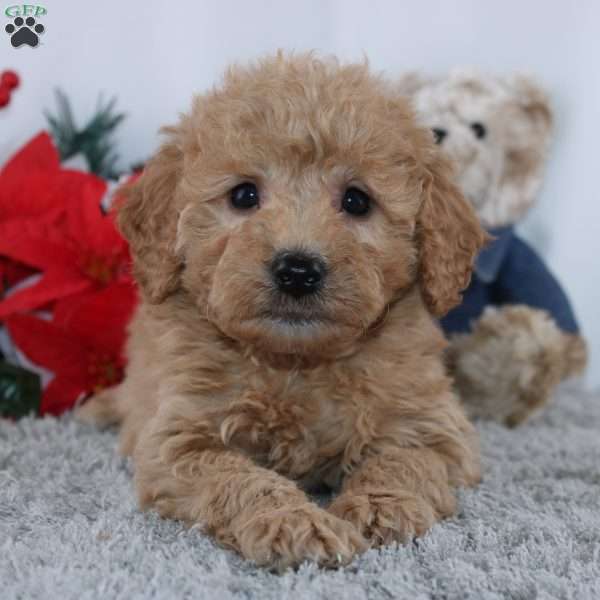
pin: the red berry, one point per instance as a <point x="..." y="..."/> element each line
<point x="4" y="96"/>
<point x="9" y="79"/>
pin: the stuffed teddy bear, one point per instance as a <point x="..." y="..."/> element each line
<point x="514" y="337"/>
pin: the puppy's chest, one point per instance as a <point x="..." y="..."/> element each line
<point x="291" y="422"/>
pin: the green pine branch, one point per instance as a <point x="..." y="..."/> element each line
<point x="93" y="141"/>
<point x="20" y="391"/>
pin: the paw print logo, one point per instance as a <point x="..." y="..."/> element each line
<point x="24" y="31"/>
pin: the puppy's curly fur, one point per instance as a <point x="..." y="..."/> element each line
<point x="238" y="398"/>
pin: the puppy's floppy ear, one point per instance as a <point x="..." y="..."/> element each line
<point x="450" y="237"/>
<point x="148" y="218"/>
<point x="527" y="119"/>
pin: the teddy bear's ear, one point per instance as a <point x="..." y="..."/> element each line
<point x="527" y="117"/>
<point x="410" y="83"/>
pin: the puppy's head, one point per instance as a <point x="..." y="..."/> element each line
<point x="496" y="130"/>
<point x="294" y="203"/>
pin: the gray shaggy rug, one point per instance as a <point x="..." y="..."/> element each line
<point x="69" y="526"/>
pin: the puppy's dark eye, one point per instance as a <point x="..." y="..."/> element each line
<point x="479" y="130"/>
<point x="244" y="196"/>
<point x="356" y="202"/>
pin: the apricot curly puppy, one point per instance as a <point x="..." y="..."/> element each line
<point x="292" y="249"/>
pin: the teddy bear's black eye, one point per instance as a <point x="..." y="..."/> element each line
<point x="439" y="134"/>
<point x="244" y="196"/>
<point x="479" y="130"/>
<point x="356" y="202"/>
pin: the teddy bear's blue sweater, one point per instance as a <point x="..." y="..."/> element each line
<point x="508" y="271"/>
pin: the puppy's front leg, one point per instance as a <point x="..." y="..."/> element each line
<point x="396" y="495"/>
<point x="187" y="475"/>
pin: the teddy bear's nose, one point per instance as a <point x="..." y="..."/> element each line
<point x="297" y="274"/>
<point x="439" y="134"/>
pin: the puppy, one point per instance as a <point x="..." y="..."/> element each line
<point x="293" y="240"/>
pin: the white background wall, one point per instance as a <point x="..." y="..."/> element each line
<point x="153" y="55"/>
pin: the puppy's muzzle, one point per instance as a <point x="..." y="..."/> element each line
<point x="297" y="274"/>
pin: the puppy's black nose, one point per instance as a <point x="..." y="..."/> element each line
<point x="439" y="134"/>
<point x="297" y="274"/>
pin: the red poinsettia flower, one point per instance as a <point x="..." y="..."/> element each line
<point x="12" y="273"/>
<point x="83" y="344"/>
<point x="39" y="155"/>
<point x="81" y="252"/>
<point x="32" y="181"/>
<point x="37" y="158"/>
<point x="34" y="186"/>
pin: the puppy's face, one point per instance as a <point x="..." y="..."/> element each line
<point x="293" y="213"/>
<point x="293" y="251"/>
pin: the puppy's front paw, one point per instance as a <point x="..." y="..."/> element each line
<point x="384" y="517"/>
<point x="292" y="535"/>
